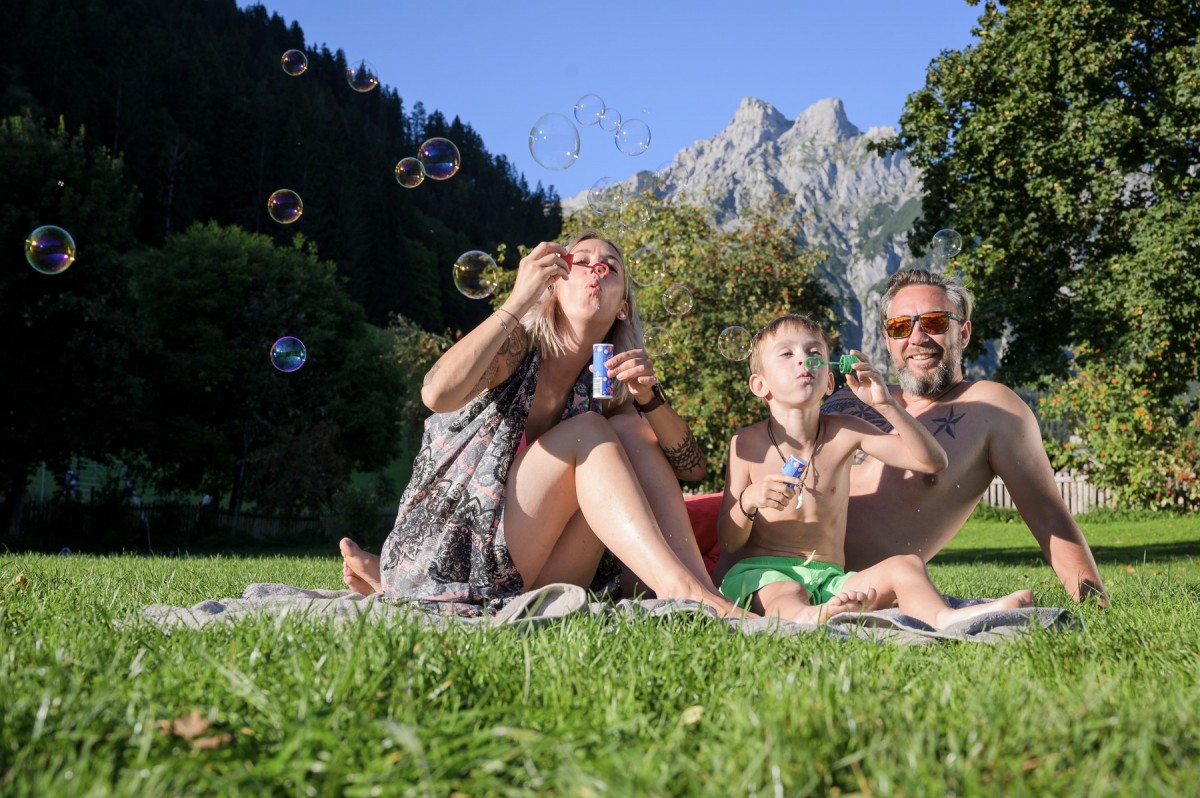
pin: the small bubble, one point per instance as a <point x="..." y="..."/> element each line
<point x="656" y="341"/>
<point x="362" y="78"/>
<point x="440" y="157"/>
<point x="588" y="110"/>
<point x="410" y="173"/>
<point x="50" y="249"/>
<point x="554" y="142"/>
<point x="294" y="63"/>
<point x="677" y="300"/>
<point x="647" y="266"/>
<point x="734" y="343"/>
<point x="601" y="195"/>
<point x="610" y="120"/>
<point x="945" y="245"/>
<point x="633" y="137"/>
<point x="288" y="354"/>
<point x="476" y="274"/>
<point x="285" y="206"/>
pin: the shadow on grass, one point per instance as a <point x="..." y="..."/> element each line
<point x="1153" y="552"/>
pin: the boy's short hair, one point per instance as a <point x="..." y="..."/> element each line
<point x="767" y="333"/>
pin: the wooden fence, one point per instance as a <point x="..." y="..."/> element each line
<point x="1079" y="495"/>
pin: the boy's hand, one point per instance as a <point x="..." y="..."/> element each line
<point x="774" y="491"/>
<point x="867" y="383"/>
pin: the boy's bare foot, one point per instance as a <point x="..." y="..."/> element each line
<point x="1013" y="601"/>
<point x="846" y="601"/>
<point x="360" y="570"/>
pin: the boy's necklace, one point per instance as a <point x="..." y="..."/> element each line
<point x="811" y="458"/>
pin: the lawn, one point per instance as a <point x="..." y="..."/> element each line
<point x="675" y="706"/>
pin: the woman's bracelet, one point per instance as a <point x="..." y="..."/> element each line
<point x="510" y="315"/>
<point x="750" y="516"/>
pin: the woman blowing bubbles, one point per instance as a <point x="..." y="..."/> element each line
<point x="516" y="485"/>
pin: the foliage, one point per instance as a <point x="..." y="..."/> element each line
<point x="70" y="358"/>
<point x="192" y="95"/>
<point x="414" y="351"/>
<point x="225" y="421"/>
<point x="104" y="703"/>
<point x="744" y="277"/>
<point x="1063" y="145"/>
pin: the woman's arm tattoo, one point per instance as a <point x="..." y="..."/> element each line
<point x="686" y="456"/>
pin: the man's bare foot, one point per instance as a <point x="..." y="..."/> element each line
<point x="360" y="570"/>
<point x="846" y="601"/>
<point x="1013" y="601"/>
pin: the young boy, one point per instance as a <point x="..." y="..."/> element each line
<point x="794" y="528"/>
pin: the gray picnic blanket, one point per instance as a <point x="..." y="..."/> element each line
<point x="554" y="602"/>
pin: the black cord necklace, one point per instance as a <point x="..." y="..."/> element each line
<point x="811" y="458"/>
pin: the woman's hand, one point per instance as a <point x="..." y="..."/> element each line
<point x="537" y="272"/>
<point x="634" y="368"/>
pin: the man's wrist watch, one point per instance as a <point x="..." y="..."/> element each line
<point x="658" y="401"/>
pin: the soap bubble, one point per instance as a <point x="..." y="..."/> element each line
<point x="677" y="300"/>
<point x="410" y="173"/>
<point x="945" y="244"/>
<point x="554" y="142"/>
<point x="440" y="158"/>
<point x="294" y="63"/>
<point x="50" y="249"/>
<point x="610" y="120"/>
<point x="285" y="206"/>
<point x="734" y="343"/>
<point x="288" y="354"/>
<point x="476" y="275"/>
<point x="600" y="196"/>
<point x="633" y="137"/>
<point x="656" y="341"/>
<point x="588" y="109"/>
<point x="363" y="77"/>
<point x="647" y="266"/>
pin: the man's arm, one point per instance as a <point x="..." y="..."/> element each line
<point x="1017" y="455"/>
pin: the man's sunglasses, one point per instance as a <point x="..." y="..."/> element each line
<point x="935" y="322"/>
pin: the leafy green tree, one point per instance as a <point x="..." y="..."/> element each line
<point x="739" y="278"/>
<point x="1063" y="144"/>
<point x="213" y="301"/>
<point x="69" y="364"/>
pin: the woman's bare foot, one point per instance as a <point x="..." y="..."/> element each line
<point x="1013" y="601"/>
<point x="846" y="601"/>
<point x="360" y="570"/>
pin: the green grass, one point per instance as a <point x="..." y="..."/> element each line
<point x="675" y="706"/>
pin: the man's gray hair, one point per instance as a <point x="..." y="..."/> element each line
<point x="955" y="291"/>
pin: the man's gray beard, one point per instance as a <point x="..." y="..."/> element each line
<point x="936" y="383"/>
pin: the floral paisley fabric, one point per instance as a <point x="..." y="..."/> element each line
<point x="448" y="542"/>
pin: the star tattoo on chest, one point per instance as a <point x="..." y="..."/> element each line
<point x="946" y="423"/>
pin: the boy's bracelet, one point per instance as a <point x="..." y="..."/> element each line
<point x="750" y="516"/>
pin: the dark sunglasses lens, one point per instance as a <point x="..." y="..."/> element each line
<point x="935" y="323"/>
<point x="899" y="327"/>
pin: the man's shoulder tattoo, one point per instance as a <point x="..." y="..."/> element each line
<point x="847" y="404"/>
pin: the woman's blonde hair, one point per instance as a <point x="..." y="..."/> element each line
<point x="547" y="324"/>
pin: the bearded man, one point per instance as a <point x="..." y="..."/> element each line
<point x="985" y="428"/>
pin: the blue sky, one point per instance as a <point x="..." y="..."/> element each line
<point x="682" y="67"/>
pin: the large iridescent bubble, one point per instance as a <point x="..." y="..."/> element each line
<point x="294" y="63"/>
<point x="362" y="78"/>
<point x="285" y="206"/>
<point x="288" y="354"/>
<point x="440" y="158"/>
<point x="50" y="249"/>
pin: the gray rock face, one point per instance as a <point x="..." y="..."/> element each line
<point x="856" y="206"/>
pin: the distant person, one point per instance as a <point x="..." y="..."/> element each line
<point x="985" y="428"/>
<point x="791" y="530"/>
<point x="516" y="484"/>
